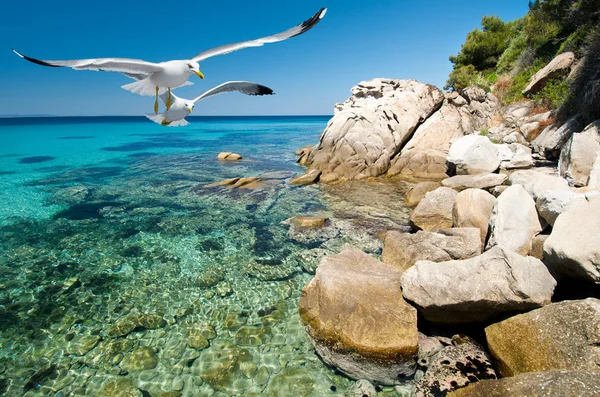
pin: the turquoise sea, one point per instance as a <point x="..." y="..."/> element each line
<point x="121" y="274"/>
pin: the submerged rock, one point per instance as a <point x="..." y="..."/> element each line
<point x="478" y="289"/>
<point x="354" y="312"/>
<point x="308" y="222"/>
<point x="539" y="384"/>
<point x="120" y="388"/>
<point x="299" y="381"/>
<point x="562" y="335"/>
<point x="142" y="357"/>
<point x="228" y="156"/>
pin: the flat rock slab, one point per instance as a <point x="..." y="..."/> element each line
<point x="435" y="210"/>
<point x="536" y="182"/>
<point x="309" y="222"/>
<point x="573" y="248"/>
<point x="402" y="250"/>
<point x="539" y="384"/>
<point x="415" y="194"/>
<point x="228" y="156"/>
<point x="479" y="181"/>
<point x="355" y="314"/>
<point x="478" y="289"/>
<point x="311" y="176"/>
<point x="562" y="335"/>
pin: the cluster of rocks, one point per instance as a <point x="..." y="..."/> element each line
<point x="501" y="236"/>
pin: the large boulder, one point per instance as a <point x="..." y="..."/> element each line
<point x="578" y="155"/>
<point x="552" y="139"/>
<point x="573" y="248"/>
<point x="435" y="210"/>
<point x="473" y="154"/>
<point x="562" y="335"/>
<point x="551" y="203"/>
<point x="594" y="180"/>
<point x="473" y="208"/>
<point x="483" y="106"/>
<point x="539" y="384"/>
<point x="478" y="289"/>
<point x="536" y="182"/>
<point x="371" y="127"/>
<point x="479" y="181"/>
<point x="514" y="221"/>
<point x="355" y="314"/>
<point x="560" y="65"/>
<point x="402" y="250"/>
<point x="456" y="365"/>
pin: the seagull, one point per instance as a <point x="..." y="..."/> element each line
<point x="156" y="78"/>
<point x="180" y="108"/>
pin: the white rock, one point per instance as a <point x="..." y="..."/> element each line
<point x="435" y="210"/>
<point x="473" y="208"/>
<point x="578" y="155"/>
<point x="473" y="154"/>
<point x="594" y="179"/>
<point x="478" y="289"/>
<point x="552" y="139"/>
<point x="479" y="181"/>
<point x="560" y="64"/>
<point x="573" y="248"/>
<point x="552" y="203"/>
<point x="536" y="182"/>
<point x="514" y="221"/>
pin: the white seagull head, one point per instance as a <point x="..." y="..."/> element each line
<point x="194" y="68"/>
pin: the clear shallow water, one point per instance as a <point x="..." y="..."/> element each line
<point x="119" y="270"/>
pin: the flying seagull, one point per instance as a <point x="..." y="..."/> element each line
<point x="180" y="108"/>
<point x="156" y="78"/>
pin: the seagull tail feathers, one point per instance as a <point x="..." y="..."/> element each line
<point x="157" y="118"/>
<point x="143" y="87"/>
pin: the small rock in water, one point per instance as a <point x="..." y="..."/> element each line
<point x="309" y="222"/>
<point x="228" y="156"/>
<point x="142" y="357"/>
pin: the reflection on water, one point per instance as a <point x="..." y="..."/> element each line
<point x="142" y="281"/>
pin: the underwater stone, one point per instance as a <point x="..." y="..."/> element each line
<point x="169" y="394"/>
<point x="299" y="381"/>
<point x="120" y="388"/>
<point x="142" y="357"/>
<point x="248" y="369"/>
<point x="151" y="321"/>
<point x="210" y="277"/>
<point x="308" y="222"/>
<point x="219" y="365"/>
<point x="252" y="335"/>
<point x="223" y="289"/>
<point x="80" y="346"/>
<point x="122" y="327"/>
<point x="234" y="320"/>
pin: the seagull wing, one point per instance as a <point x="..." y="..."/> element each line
<point x="245" y="87"/>
<point x="123" y="65"/>
<point x="295" y="31"/>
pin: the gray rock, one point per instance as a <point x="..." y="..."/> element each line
<point x="71" y="195"/>
<point x="539" y="384"/>
<point x="573" y="248"/>
<point x="473" y="154"/>
<point x="479" y="181"/>
<point x="514" y="221"/>
<point x="435" y="210"/>
<point x="562" y="335"/>
<point x="552" y="139"/>
<point x="402" y="250"/>
<point x="578" y="155"/>
<point x="455" y="366"/>
<point x="362" y="388"/>
<point x="473" y="208"/>
<point x="536" y="182"/>
<point x="551" y="203"/>
<point x="371" y="127"/>
<point x="478" y="289"/>
<point x="561" y="64"/>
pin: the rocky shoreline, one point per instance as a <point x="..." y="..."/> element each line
<point x="504" y="246"/>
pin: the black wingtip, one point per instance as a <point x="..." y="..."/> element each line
<point x="34" y="60"/>
<point x="312" y="21"/>
<point x="263" y="90"/>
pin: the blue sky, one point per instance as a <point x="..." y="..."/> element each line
<point x="357" y="40"/>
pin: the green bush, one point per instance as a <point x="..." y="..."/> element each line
<point x="554" y="93"/>
<point x="510" y="56"/>
<point x="461" y="78"/>
<point x="519" y="82"/>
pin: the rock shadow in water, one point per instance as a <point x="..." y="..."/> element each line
<point x="36" y="159"/>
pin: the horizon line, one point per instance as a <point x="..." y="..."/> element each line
<point x="10" y="116"/>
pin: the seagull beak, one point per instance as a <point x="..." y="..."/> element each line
<point x="199" y="74"/>
<point x="190" y="109"/>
